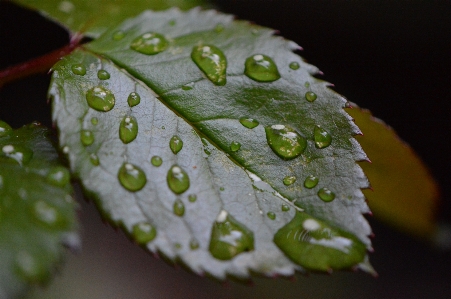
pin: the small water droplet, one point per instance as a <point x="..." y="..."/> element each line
<point x="192" y="197"/>
<point x="311" y="181"/>
<point x="285" y="141"/>
<point x="132" y="177"/>
<point x="100" y="99"/>
<point x="175" y="144"/>
<point x="28" y="267"/>
<point x="254" y="31"/>
<point x="128" y="129"/>
<point x="219" y="28"/>
<point x="348" y="105"/>
<point x="212" y="62"/>
<point x="58" y="176"/>
<point x="294" y="65"/>
<point x="5" y="129"/>
<point x="326" y="195"/>
<point x="194" y="244"/>
<point x="179" y="208"/>
<point x="103" y="75"/>
<point x="288" y="180"/>
<point x="310" y="96"/>
<point x="118" y="35"/>
<point x="178" y="180"/>
<point x="285" y="208"/>
<point x="322" y="137"/>
<point x="149" y="43"/>
<point x="78" y="69"/>
<point x="249" y="123"/>
<point x="66" y="149"/>
<point x="187" y="87"/>
<point x="94" y="159"/>
<point x="235" y="146"/>
<point x="156" y="161"/>
<point x="178" y="246"/>
<point x="221" y="189"/>
<point x="143" y="232"/>
<point x="86" y="137"/>
<point x="261" y="68"/>
<point x="229" y="237"/>
<point x="307" y="84"/>
<point x="45" y="213"/>
<point x="271" y="215"/>
<point x="172" y="22"/>
<point x="94" y="121"/>
<point x="20" y="154"/>
<point x="133" y="99"/>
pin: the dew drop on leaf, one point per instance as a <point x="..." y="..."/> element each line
<point x="118" y="35"/>
<point x="128" y="129"/>
<point x="45" y="214"/>
<point x="219" y="28"/>
<point x="94" y="159"/>
<point x="28" y="267"/>
<point x="156" y="161"/>
<point x="285" y="141"/>
<point x="294" y="65"/>
<point x="20" y="154"/>
<point x="235" y="146"/>
<point x="133" y="99"/>
<point x="103" y="75"/>
<point x="249" y="123"/>
<point x="86" y="137"/>
<point x="288" y="180"/>
<point x="261" y="68"/>
<point x="179" y="208"/>
<point x="5" y="129"/>
<point x="310" y="95"/>
<point x="212" y="62"/>
<point x="94" y="121"/>
<point x="194" y="244"/>
<point x="131" y="177"/>
<point x="100" y="99"/>
<point x="143" y="232"/>
<point x="192" y="197"/>
<point x="322" y="137"/>
<point x="271" y="215"/>
<point x="311" y="181"/>
<point x="78" y="69"/>
<point x="58" y="176"/>
<point x="187" y="87"/>
<point x="175" y="144"/>
<point x="149" y="43"/>
<point x="285" y="208"/>
<point x="326" y="195"/>
<point x="178" y="180"/>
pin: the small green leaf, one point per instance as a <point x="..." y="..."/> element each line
<point x="37" y="212"/>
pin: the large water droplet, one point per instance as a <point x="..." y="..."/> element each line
<point x="285" y="141"/>
<point x="86" y="137"/>
<point x="20" y="154"/>
<point x="156" y="161"/>
<point x="94" y="159"/>
<point x="288" y="180"/>
<point x="212" y="62"/>
<point x="5" y="129"/>
<point x="229" y="237"/>
<point x="175" y="144"/>
<point x="179" y="208"/>
<point x="131" y="177"/>
<point x="235" y="146"/>
<point x="149" y="43"/>
<point x="118" y="35"/>
<point x="271" y="215"/>
<point x="103" y="75"/>
<point x="100" y="99"/>
<point x="143" y="232"/>
<point x="249" y="123"/>
<point x="178" y="180"/>
<point x="261" y="68"/>
<point x="58" y="176"/>
<point x="133" y="99"/>
<point x="192" y="197"/>
<point x="128" y="129"/>
<point x="317" y="246"/>
<point x="310" y="95"/>
<point x="294" y="65"/>
<point x="311" y="181"/>
<point x="326" y="195"/>
<point x="322" y="137"/>
<point x="78" y="69"/>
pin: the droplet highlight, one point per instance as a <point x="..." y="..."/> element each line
<point x="100" y="98"/>
<point x="326" y="195"/>
<point x="179" y="208"/>
<point x="322" y="137"/>
<point x="212" y="62"/>
<point x="311" y="181"/>
<point x="285" y="141"/>
<point x="178" y="180"/>
<point x="285" y="208"/>
<point x="103" y="75"/>
<point x="46" y="214"/>
<point x="175" y="144"/>
<point x="86" y="137"/>
<point x="128" y="129"/>
<point x="22" y="155"/>
<point x="156" y="161"/>
<point x="261" y="68"/>
<point x="78" y="69"/>
<point x="310" y="95"/>
<point x="143" y="232"/>
<point x="58" y="176"/>
<point x="133" y="99"/>
<point x="249" y="123"/>
<point x="27" y="267"/>
<point x="235" y="146"/>
<point x="149" y="43"/>
<point x="94" y="159"/>
<point x="289" y="180"/>
<point x="132" y="177"/>
<point x="294" y="65"/>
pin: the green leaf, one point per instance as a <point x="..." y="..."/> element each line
<point x="205" y="175"/>
<point x="37" y="212"/>
<point x="94" y="17"/>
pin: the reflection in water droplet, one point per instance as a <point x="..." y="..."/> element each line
<point x="288" y="180"/>
<point x="261" y="68"/>
<point x="326" y="195"/>
<point x="103" y="75"/>
<point x="179" y="208"/>
<point x="322" y="137"/>
<point x="118" y="35"/>
<point x="175" y="144"/>
<point x="192" y="197"/>
<point x="20" y="154"/>
<point x="94" y="121"/>
<point x="100" y="99"/>
<point x="235" y="146"/>
<point x="178" y="180"/>
<point x="249" y="123"/>
<point x="271" y="215"/>
<point x="5" y="129"/>
<point x="285" y="141"/>
<point x="229" y="237"/>
<point x="86" y="137"/>
<point x="212" y="62"/>
<point x="143" y="232"/>
<point x="94" y="159"/>
<point x="156" y="161"/>
<point x="310" y="96"/>
<point x="194" y="244"/>
<point x="133" y="99"/>
<point x="58" y="176"/>
<point x="132" y="177"/>
<point x="78" y="69"/>
<point x="294" y="65"/>
<point x="311" y="181"/>
<point x="149" y="43"/>
<point x="128" y="129"/>
<point x="285" y="208"/>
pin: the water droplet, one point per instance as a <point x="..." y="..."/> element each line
<point x="94" y="121"/>
<point x="179" y="208"/>
<point x="212" y="62"/>
<point x="133" y="99"/>
<point x="192" y="197"/>
<point x="172" y="22"/>
<point x="58" y="176"/>
<point x="249" y="123"/>
<point x="229" y="237"/>
<point x="288" y="180"/>
<point x="20" y="154"/>
<point x="66" y="149"/>
<point x="307" y="84"/>
<point x="315" y="245"/>
<point x="219" y="28"/>
<point x="178" y="180"/>
<point x="131" y="177"/>
<point x="294" y="65"/>
<point x="322" y="137"/>
<point x="46" y="214"/>
<point x="194" y="244"/>
<point x="94" y="160"/>
<point x="175" y="144"/>
<point x="261" y="68"/>
<point x="285" y="141"/>
<point x="100" y="99"/>
<point x="5" y="129"/>
<point x="149" y="43"/>
<point x="143" y="232"/>
<point x="187" y="87"/>
<point x="78" y="69"/>
<point x="326" y="195"/>
<point x="310" y="96"/>
<point x="118" y="35"/>
<point x="311" y="181"/>
<point x="235" y="146"/>
<point x="86" y="137"/>
<point x="285" y="208"/>
<point x="128" y="129"/>
<point x="156" y="161"/>
<point x="178" y="246"/>
<point x="28" y="267"/>
<point x="221" y="189"/>
<point x="103" y="75"/>
<point x="271" y="215"/>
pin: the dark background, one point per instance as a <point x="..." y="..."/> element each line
<point x="393" y="57"/>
